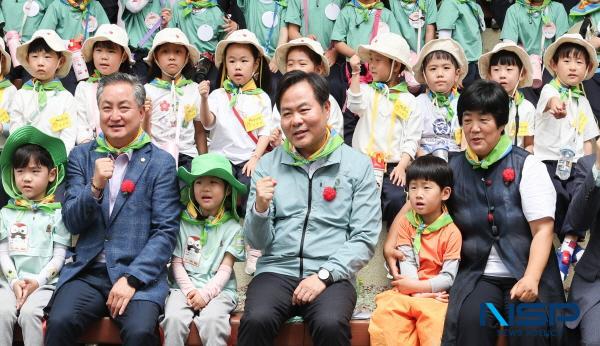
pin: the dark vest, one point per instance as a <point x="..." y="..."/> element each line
<point x="477" y="193"/>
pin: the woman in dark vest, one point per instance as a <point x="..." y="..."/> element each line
<point x="503" y="204"/>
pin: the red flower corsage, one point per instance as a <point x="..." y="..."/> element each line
<point x="329" y="193"/>
<point x="508" y="175"/>
<point x="127" y="187"/>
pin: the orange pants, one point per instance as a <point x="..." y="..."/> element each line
<point x="399" y="319"/>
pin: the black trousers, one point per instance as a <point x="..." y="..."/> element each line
<point x="269" y="305"/>
<point x="565" y="189"/>
<point x="140" y="68"/>
<point x="82" y="300"/>
<point x="244" y="179"/>
<point x="393" y="197"/>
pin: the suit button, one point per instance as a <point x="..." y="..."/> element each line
<point x="495" y="232"/>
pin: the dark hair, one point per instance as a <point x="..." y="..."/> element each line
<point x="125" y="66"/>
<point x="430" y="168"/>
<point x="28" y="152"/>
<point x="506" y="58"/>
<point x="314" y="57"/>
<point x="568" y="49"/>
<point x="486" y="97"/>
<point x="439" y="54"/>
<point x="264" y="81"/>
<point x="40" y="45"/>
<point x="318" y="84"/>
<point x="154" y="70"/>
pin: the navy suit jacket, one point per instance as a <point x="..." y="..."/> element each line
<point x="139" y="237"/>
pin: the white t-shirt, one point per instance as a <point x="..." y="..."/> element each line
<point x="227" y="135"/>
<point x="391" y="134"/>
<point x="170" y="111"/>
<point x="538" y="201"/>
<point x="437" y="132"/>
<point x="57" y="119"/>
<point x="552" y="135"/>
<point x="336" y="118"/>
<point x="526" y="122"/>
<point x="88" y="115"/>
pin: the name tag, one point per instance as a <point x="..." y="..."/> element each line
<point x="4" y="118"/>
<point x="254" y="122"/>
<point x="189" y="114"/>
<point x="523" y="129"/>
<point x="60" y="122"/>
<point x="400" y="110"/>
<point x="581" y="121"/>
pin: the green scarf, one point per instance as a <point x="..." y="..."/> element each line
<point x="364" y="10"/>
<point x="417" y="222"/>
<point x="444" y="101"/>
<point x="502" y="148"/>
<point x="518" y="99"/>
<point x="564" y="91"/>
<point x="5" y="83"/>
<point x="247" y="89"/>
<point x="96" y="77"/>
<point x="333" y="142"/>
<point x="41" y="89"/>
<point x="46" y="205"/>
<point x="190" y="5"/>
<point x="282" y="3"/>
<point x="210" y="222"/>
<point x="419" y="3"/>
<point x="382" y="88"/>
<point x="105" y="147"/>
<point x="159" y="83"/>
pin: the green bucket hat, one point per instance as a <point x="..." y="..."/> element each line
<point x="211" y="165"/>
<point x="30" y="135"/>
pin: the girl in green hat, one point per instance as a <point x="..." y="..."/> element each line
<point x="33" y="238"/>
<point x="210" y="241"/>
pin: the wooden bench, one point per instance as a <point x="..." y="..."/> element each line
<point x="105" y="331"/>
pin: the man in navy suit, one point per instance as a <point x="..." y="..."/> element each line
<point x="122" y="200"/>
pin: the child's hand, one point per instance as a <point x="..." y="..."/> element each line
<point x="166" y="15"/>
<point x="30" y="285"/>
<point x="204" y="89"/>
<point x="275" y="138"/>
<point x="355" y="64"/>
<point x="273" y="66"/>
<point x="557" y="108"/>
<point x="403" y="285"/>
<point x="230" y="25"/>
<point x="525" y="290"/>
<point x="148" y="105"/>
<point x="595" y="42"/>
<point x="331" y="55"/>
<point x="265" y="190"/>
<point x="249" y="167"/>
<point x="18" y="290"/>
<point x="398" y="175"/>
<point x="195" y="300"/>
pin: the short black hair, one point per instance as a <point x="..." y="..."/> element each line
<point x="314" y="57"/>
<point x="318" y="84"/>
<point x="40" y="45"/>
<point x="28" y="152"/>
<point x="486" y="97"/>
<point x="505" y="58"/>
<point x="439" y="54"/>
<point x="568" y="49"/>
<point x="431" y="168"/>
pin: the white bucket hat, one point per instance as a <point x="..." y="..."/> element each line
<point x="6" y="61"/>
<point x="390" y="45"/>
<point x="107" y="32"/>
<point x="242" y="37"/>
<point x="446" y="45"/>
<point x="54" y="42"/>
<point x="175" y="36"/>
<point x="282" y="51"/>
<point x="577" y="39"/>
<point x="484" y="62"/>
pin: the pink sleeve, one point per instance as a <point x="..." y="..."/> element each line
<point x="216" y="284"/>
<point x="181" y="276"/>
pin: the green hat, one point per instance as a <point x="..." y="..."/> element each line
<point x="30" y="135"/>
<point x="211" y="165"/>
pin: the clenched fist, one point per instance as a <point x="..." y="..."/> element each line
<point x="265" y="189"/>
<point x="204" y="89"/>
<point x="103" y="171"/>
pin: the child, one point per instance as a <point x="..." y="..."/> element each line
<point x="109" y="53"/>
<point x="43" y="101"/>
<point x="306" y="55"/>
<point x="175" y="123"/>
<point x="389" y="125"/>
<point x="463" y="21"/>
<point x="413" y="312"/>
<point x="209" y="242"/>
<point x="509" y="65"/>
<point x="565" y="127"/>
<point x="33" y="238"/>
<point x="441" y="65"/>
<point x="238" y="115"/>
<point x="265" y="19"/>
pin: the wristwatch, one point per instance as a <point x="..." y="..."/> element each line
<point x="325" y="276"/>
<point x="133" y="281"/>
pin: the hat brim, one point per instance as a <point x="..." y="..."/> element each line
<point x="364" y="51"/>
<point x="62" y="72"/>
<point x="6" y="63"/>
<point x="188" y="178"/>
<point x="222" y="46"/>
<point x="193" y="52"/>
<point x="484" y="64"/>
<point x="446" y="45"/>
<point x="282" y="51"/>
<point x="579" y="41"/>
<point x="88" y="48"/>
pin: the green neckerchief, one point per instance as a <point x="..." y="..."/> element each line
<point x="518" y="99"/>
<point x="96" y="77"/>
<point x="209" y="222"/>
<point x="444" y="101"/>
<point x="247" y="89"/>
<point x="531" y="9"/>
<point x="419" y="3"/>
<point x="565" y="92"/>
<point x="502" y="148"/>
<point x="41" y="89"/>
<point x="417" y="222"/>
<point x="383" y="89"/>
<point x="333" y="142"/>
<point x="77" y="7"/>
<point x="159" y="83"/>
<point x="363" y="10"/>
<point x="472" y="5"/>
<point x="584" y="8"/>
<point x="5" y="83"/>
<point x="46" y="205"/>
<point x="189" y="5"/>
<point x="105" y="147"/>
<point x="282" y="3"/>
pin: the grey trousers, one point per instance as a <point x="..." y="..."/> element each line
<point x="29" y="316"/>
<point x="212" y="321"/>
